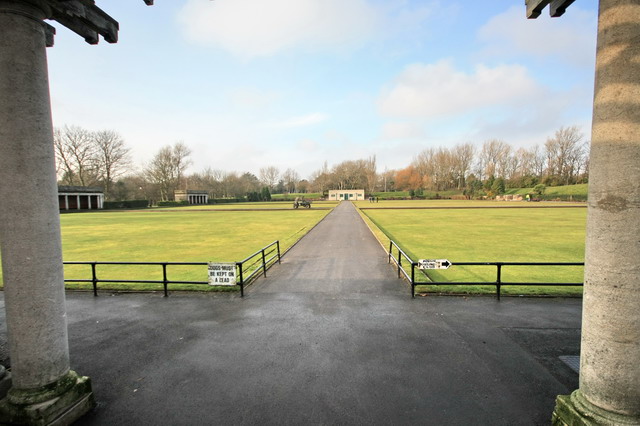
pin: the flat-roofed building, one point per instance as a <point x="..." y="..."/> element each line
<point x="80" y="198"/>
<point x="193" y="196"/>
<point x="346" y="194"/>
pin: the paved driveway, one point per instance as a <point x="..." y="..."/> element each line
<point x="330" y="337"/>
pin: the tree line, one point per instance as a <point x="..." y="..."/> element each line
<point x="101" y="158"/>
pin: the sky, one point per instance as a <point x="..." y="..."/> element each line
<point x="247" y="84"/>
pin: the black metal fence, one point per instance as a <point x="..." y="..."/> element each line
<point x="258" y="261"/>
<point x="253" y="265"/>
<point x="402" y="261"/>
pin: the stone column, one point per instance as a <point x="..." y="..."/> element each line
<point x="609" y="390"/>
<point x="44" y="389"/>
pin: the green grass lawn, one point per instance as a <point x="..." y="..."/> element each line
<point x="489" y="235"/>
<point x="173" y="235"/>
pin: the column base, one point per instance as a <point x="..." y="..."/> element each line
<point x="60" y="403"/>
<point x="5" y="382"/>
<point x="575" y="410"/>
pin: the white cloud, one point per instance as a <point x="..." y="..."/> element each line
<point x="439" y="89"/>
<point x="246" y="97"/>
<point x="570" y="39"/>
<point x="251" y="28"/>
<point x="301" y="121"/>
<point x="307" y="145"/>
<point x="402" y="130"/>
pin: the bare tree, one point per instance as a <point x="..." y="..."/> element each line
<point x="75" y="154"/>
<point x="462" y="157"/>
<point x="370" y="172"/>
<point x="566" y="152"/>
<point x="321" y="179"/>
<point x="349" y="175"/>
<point x="167" y="168"/>
<point x="269" y="176"/>
<point x="493" y="157"/>
<point x="180" y="154"/>
<point x="291" y="178"/>
<point x="538" y="160"/>
<point x="112" y="158"/>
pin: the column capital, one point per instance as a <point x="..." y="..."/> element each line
<point x="34" y="9"/>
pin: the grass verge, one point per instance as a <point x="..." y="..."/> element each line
<point x="173" y="236"/>
<point x="489" y="235"/>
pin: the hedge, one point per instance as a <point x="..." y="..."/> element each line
<point x="126" y="204"/>
<point x="172" y="203"/>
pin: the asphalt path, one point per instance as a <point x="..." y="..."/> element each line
<point x="331" y="336"/>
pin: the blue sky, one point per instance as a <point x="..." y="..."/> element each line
<point x="294" y="83"/>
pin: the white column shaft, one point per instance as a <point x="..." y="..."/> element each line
<point x="609" y="371"/>
<point x="29" y="216"/>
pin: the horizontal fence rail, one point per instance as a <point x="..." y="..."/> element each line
<point x="498" y="283"/>
<point x="258" y="262"/>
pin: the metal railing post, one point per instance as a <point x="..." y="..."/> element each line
<point x="164" y="279"/>
<point x="264" y="264"/>
<point x="390" y="250"/>
<point x="499" y="279"/>
<point x="399" y="262"/>
<point x="239" y="265"/>
<point x="413" y="279"/>
<point x="278" y="245"/>
<point x="94" y="278"/>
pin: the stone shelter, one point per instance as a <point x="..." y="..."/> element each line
<point x="80" y="198"/>
<point x="193" y="196"/>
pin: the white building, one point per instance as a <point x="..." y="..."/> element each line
<point x="346" y="194"/>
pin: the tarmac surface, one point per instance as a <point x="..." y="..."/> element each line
<point x="331" y="336"/>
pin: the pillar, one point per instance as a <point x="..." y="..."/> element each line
<point x="609" y="391"/>
<point x="66" y="202"/>
<point x="44" y="389"/>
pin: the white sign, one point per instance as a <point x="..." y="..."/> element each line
<point x="222" y="273"/>
<point x="433" y="264"/>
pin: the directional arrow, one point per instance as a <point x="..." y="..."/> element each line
<point x="434" y="264"/>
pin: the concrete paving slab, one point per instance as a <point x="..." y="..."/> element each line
<point x="330" y="337"/>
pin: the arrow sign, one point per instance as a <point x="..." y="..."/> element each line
<point x="434" y="264"/>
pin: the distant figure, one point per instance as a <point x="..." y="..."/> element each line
<point x="528" y="197"/>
